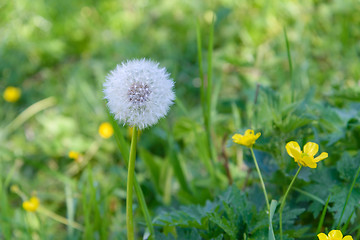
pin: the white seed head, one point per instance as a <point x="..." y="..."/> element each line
<point x="139" y="92"/>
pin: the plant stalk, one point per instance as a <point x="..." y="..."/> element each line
<point x="261" y="180"/>
<point x="130" y="185"/>
<point x="284" y="199"/>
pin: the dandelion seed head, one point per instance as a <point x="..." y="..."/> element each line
<point x="139" y="92"/>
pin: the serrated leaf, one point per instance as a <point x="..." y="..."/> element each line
<point x="339" y="194"/>
<point x="347" y="166"/>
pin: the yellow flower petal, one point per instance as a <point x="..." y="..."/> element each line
<point x="293" y="149"/>
<point x="322" y="156"/>
<point x="249" y="132"/>
<point x="311" y="148"/>
<point x="237" y="138"/>
<point x="322" y="236"/>
<point x="348" y="237"/>
<point x="257" y="135"/>
<point x="106" y="130"/>
<point x="12" y="94"/>
<point x="31" y="205"/>
<point x="74" y="155"/>
<point x="248" y="139"/>
<point x="335" y="235"/>
<point x="309" y="162"/>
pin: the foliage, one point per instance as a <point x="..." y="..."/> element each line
<point x="59" y="52"/>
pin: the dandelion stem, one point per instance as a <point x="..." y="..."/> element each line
<point x="261" y="180"/>
<point x="284" y="199"/>
<point x="130" y="185"/>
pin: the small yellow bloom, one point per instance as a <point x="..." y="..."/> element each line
<point x="12" y="94"/>
<point x="306" y="157"/>
<point x="74" y="155"/>
<point x="248" y="139"/>
<point x="32" y="204"/>
<point x="106" y="130"/>
<point x="334" y="235"/>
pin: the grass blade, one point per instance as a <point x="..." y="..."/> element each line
<point x="271" y="215"/>
<point x="290" y="66"/>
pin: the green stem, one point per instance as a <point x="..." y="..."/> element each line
<point x="124" y="150"/>
<point x="348" y="196"/>
<point x="261" y="180"/>
<point x="284" y="199"/>
<point x="130" y="185"/>
<point x="318" y="229"/>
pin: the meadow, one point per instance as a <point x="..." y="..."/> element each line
<point x="288" y="70"/>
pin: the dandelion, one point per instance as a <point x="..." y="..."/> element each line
<point x="248" y="139"/>
<point x="12" y="94"/>
<point x="334" y="235"/>
<point x="31" y="205"/>
<point x="139" y="92"/>
<point x="106" y="130"/>
<point x="306" y="157"/>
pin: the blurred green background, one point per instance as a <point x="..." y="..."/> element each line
<point x="64" y="49"/>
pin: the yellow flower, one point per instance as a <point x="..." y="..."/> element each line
<point x="74" y="155"/>
<point x="334" y="235"/>
<point x="106" y="130"/>
<point x="305" y="158"/>
<point x="12" y="94"/>
<point x="248" y="139"/>
<point x="31" y="205"/>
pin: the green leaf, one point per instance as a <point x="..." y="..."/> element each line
<point x="339" y="194"/>
<point x="272" y="211"/>
<point x="347" y="166"/>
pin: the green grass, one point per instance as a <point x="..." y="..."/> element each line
<point x="241" y="71"/>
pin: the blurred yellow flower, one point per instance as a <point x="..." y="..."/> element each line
<point x="32" y="204"/>
<point x="306" y="157"/>
<point x="74" y="155"/>
<point x="12" y="94"/>
<point x="334" y="235"/>
<point x="248" y="139"/>
<point x="106" y="130"/>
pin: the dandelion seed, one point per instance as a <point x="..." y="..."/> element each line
<point x="12" y="94"/>
<point x="334" y="235"/>
<point x="306" y="157"/>
<point x="31" y="205"/>
<point x="106" y="130"/>
<point x="139" y="92"/>
<point x="248" y="139"/>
